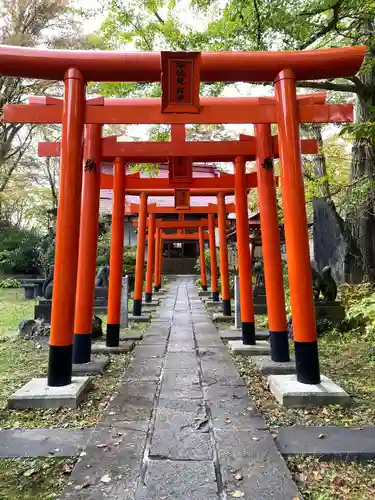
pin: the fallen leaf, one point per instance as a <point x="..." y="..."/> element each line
<point x="237" y="494"/>
<point x="67" y="469"/>
<point x="321" y="436"/>
<point x="29" y="472"/>
<point x="86" y="484"/>
<point x="238" y="476"/>
<point x="105" y="479"/>
<point x="103" y="445"/>
<point x="255" y="438"/>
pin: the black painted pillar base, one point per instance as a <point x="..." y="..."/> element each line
<point x="307" y="362"/>
<point x="204" y="288"/>
<point x="227" y="311"/>
<point x="137" y="307"/>
<point x="60" y="365"/>
<point x="215" y="296"/>
<point x="148" y="296"/>
<point x="81" y="348"/>
<point x="113" y="335"/>
<point x="248" y="333"/>
<point x="157" y="288"/>
<point x="279" y="346"/>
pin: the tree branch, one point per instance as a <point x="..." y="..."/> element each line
<point x="159" y="18"/>
<point x="340" y="87"/>
<point x="259" y="30"/>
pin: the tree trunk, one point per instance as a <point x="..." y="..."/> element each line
<point x="363" y="175"/>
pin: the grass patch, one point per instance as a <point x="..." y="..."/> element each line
<point x="14" y="308"/>
<point x="22" y="360"/>
<point x="333" y="480"/>
<point x="33" y="478"/>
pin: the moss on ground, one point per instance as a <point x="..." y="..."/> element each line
<point x="33" y="478"/>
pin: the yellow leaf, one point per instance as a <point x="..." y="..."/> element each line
<point x="237" y="494"/>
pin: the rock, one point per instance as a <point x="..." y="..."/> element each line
<point x="30" y="329"/>
<point x="97" y="329"/>
<point x="26" y="328"/>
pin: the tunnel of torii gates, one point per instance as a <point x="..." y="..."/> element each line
<point x="180" y="75"/>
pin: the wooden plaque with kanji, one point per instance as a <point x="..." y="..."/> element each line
<point x="182" y="199"/>
<point x="180" y="169"/>
<point x="180" y="80"/>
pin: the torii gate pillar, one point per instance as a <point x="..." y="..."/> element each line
<point x="296" y="236"/>
<point x="213" y="260"/>
<point x="202" y="259"/>
<point x="88" y="242"/>
<point x="116" y="255"/>
<point x="67" y="232"/>
<point x="150" y="256"/>
<point x="273" y="271"/>
<point x="157" y="259"/>
<point x="243" y="249"/>
<point x="224" y="273"/>
<point x="140" y="258"/>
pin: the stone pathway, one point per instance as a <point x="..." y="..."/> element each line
<point x="181" y="425"/>
<point x="15" y="443"/>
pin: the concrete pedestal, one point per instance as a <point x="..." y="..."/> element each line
<point x="149" y="306"/>
<point x="136" y="336"/>
<point x="218" y="317"/>
<point x="261" y="348"/>
<point x="291" y="393"/>
<point x="266" y="366"/>
<point x="212" y="304"/>
<point x="145" y="318"/>
<point x="95" y="367"/>
<point x="236" y="334"/>
<point x="102" y="348"/>
<point x="36" y="394"/>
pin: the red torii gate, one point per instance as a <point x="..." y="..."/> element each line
<point x="211" y="210"/>
<point x="284" y="69"/>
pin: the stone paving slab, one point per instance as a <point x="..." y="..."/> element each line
<point x="111" y="454"/>
<point x="327" y="443"/>
<point x="42" y="442"/>
<point x="181" y="435"/>
<point x="254" y="456"/>
<point x="179" y="480"/>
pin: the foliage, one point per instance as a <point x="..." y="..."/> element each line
<point x="129" y="255"/>
<point x="207" y="260"/>
<point x="104" y="243"/>
<point x="46" y="252"/>
<point x="359" y="302"/>
<point x="18" y="250"/>
<point x="10" y="283"/>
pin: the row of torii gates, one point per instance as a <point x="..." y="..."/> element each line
<point x="180" y="75"/>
